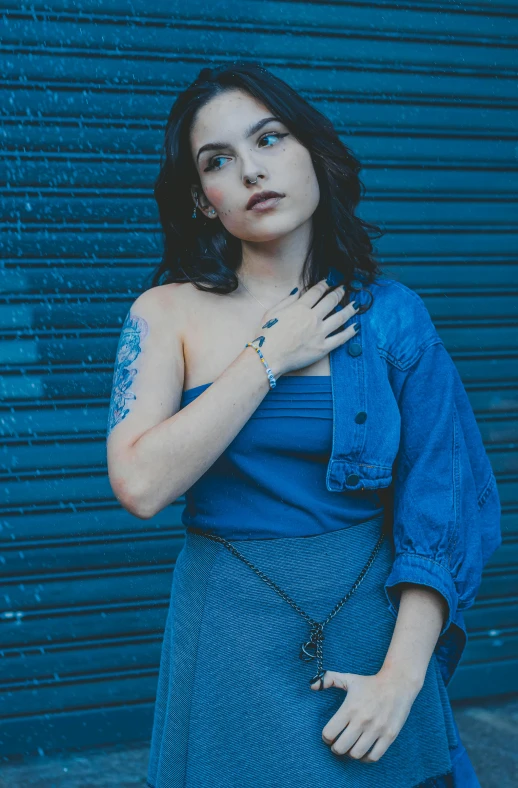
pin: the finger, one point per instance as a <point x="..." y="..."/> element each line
<point x="341" y="337"/>
<point x="337" y="319"/>
<point x="317" y="685"/>
<point x="329" y="301"/>
<point x="339" y="720"/>
<point x="347" y="739"/>
<point x="362" y="746"/>
<point x="293" y="296"/>
<point x="315" y="293"/>
<point x="332" y="678"/>
<point x="379" y="749"/>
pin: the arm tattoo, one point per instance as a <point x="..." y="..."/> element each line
<point x="133" y="331"/>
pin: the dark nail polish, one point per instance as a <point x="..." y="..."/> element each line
<point x="356" y="304"/>
<point x="294" y="290"/>
<point x="357" y="327"/>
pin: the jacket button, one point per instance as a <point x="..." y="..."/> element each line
<point x="355" y="349"/>
<point x="352" y="479"/>
<point x="360" y="417"/>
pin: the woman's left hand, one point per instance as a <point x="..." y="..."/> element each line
<point x="373" y="713"/>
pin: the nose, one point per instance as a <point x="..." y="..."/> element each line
<point x="251" y="168"/>
<point x="252" y="179"/>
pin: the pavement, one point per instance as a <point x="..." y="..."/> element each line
<point x="488" y="730"/>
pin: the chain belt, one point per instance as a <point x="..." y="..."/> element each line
<point x="313" y="648"/>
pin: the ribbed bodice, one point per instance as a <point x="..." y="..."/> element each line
<point x="271" y="479"/>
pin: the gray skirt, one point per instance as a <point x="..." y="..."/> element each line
<point x="234" y="708"/>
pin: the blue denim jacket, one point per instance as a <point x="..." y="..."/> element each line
<point x="402" y="421"/>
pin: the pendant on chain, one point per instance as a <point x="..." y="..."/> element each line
<point x="312" y="649"/>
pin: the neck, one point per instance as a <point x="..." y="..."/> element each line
<point x="273" y="268"/>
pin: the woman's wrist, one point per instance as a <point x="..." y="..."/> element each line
<point x="410" y="677"/>
<point x="270" y="361"/>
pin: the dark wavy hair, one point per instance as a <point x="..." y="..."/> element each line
<point x="203" y="251"/>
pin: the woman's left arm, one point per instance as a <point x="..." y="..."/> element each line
<point x="445" y="525"/>
<point x="422" y="614"/>
<point x="376" y="707"/>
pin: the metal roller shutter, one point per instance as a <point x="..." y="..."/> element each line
<point x="424" y="92"/>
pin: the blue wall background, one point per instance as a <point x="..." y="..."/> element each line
<point x="424" y="92"/>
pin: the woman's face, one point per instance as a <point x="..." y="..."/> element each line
<point x="270" y="154"/>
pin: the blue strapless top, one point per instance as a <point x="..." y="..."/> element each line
<point x="271" y="479"/>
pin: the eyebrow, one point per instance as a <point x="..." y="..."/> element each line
<point x="251" y="130"/>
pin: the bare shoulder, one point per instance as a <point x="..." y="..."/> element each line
<point x="165" y="312"/>
<point x="164" y="304"/>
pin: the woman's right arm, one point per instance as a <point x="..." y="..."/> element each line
<point x="155" y="451"/>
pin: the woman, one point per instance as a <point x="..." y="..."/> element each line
<point x="327" y="471"/>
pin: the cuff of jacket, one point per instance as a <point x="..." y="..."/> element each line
<point x="412" y="568"/>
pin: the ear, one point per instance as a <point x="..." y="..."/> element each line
<point x="198" y="196"/>
<point x="195" y="189"/>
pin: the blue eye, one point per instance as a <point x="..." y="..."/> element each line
<point x="211" y="165"/>
<point x="277" y="134"/>
<point x="272" y="134"/>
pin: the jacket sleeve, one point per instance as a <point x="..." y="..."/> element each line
<point x="446" y="508"/>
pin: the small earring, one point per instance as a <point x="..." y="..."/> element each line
<point x="193" y="214"/>
<point x="212" y="211"/>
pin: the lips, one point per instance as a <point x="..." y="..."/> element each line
<point x="260" y="197"/>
